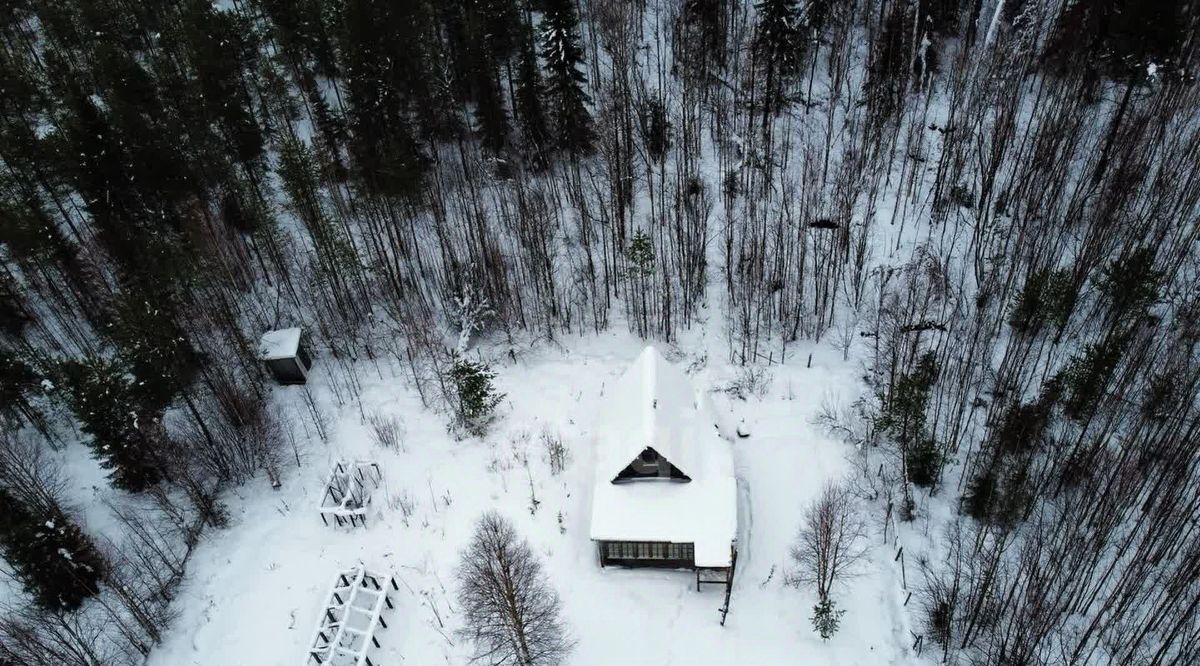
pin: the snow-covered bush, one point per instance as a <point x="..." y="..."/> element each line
<point x="387" y="431"/>
<point x="750" y="381"/>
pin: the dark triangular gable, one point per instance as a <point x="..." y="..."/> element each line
<point x="650" y="464"/>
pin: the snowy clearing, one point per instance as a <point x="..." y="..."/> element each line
<point x="255" y="590"/>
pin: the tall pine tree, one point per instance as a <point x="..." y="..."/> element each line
<point x="386" y="157"/>
<point x="220" y="54"/>
<point x="106" y="403"/>
<point x="779" y="50"/>
<point x="563" y="58"/>
<point x="530" y="90"/>
<point x="55" y="561"/>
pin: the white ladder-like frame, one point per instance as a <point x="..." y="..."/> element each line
<point x="334" y="638"/>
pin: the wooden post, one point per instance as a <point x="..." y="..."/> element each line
<point x="903" y="575"/>
<point x="729" y="583"/>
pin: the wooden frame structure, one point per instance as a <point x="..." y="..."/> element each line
<point x="348" y="490"/>
<point x="353" y="611"/>
<point x="719" y="576"/>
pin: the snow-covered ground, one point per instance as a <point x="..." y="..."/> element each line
<point x="254" y="590"/>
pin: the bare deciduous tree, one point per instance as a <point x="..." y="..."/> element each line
<point x="831" y="542"/>
<point x="31" y="638"/>
<point x="511" y="612"/>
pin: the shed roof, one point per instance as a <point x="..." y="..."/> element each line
<point x="279" y="344"/>
<point x="653" y="404"/>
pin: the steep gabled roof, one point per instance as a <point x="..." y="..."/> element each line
<point x="653" y="405"/>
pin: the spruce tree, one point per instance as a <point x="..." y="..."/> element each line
<point x="489" y="108"/>
<point x="1130" y="284"/>
<point x="477" y="397"/>
<point x="385" y="155"/>
<point x="481" y="36"/>
<point x="54" y="560"/>
<point x="889" y="72"/>
<point x="154" y="346"/>
<point x="1047" y="297"/>
<point x="779" y="51"/>
<point x="105" y="400"/>
<point x="563" y="58"/>
<point x="149" y="140"/>
<point x="305" y="30"/>
<point x="18" y="381"/>
<point x="701" y="38"/>
<point x="1087" y="375"/>
<point x="1119" y="39"/>
<point x="130" y="190"/>
<point x="13" y="315"/>
<point x="102" y="177"/>
<point x="530" y="90"/>
<point x="498" y="24"/>
<point x="826" y="618"/>
<point x="331" y="130"/>
<point x="219" y="55"/>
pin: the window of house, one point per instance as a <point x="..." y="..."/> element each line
<point x="648" y="462"/>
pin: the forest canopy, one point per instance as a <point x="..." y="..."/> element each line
<point x="994" y="202"/>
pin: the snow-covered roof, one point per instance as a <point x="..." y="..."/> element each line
<point x="654" y="404"/>
<point x="279" y="344"/>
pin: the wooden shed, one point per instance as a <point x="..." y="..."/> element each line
<point x="285" y="355"/>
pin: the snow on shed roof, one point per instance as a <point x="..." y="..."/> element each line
<point x="279" y="344"/>
<point x="654" y="404"/>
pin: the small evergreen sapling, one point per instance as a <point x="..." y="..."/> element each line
<point x="476" y="394"/>
<point x="1047" y="297"/>
<point x="640" y="255"/>
<point x="827" y="551"/>
<point x="904" y="418"/>
<point x="826" y="618"/>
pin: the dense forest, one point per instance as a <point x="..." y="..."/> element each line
<point x="995" y="203"/>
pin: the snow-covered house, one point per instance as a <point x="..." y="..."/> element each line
<point x="665" y="493"/>
<point x="285" y="356"/>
